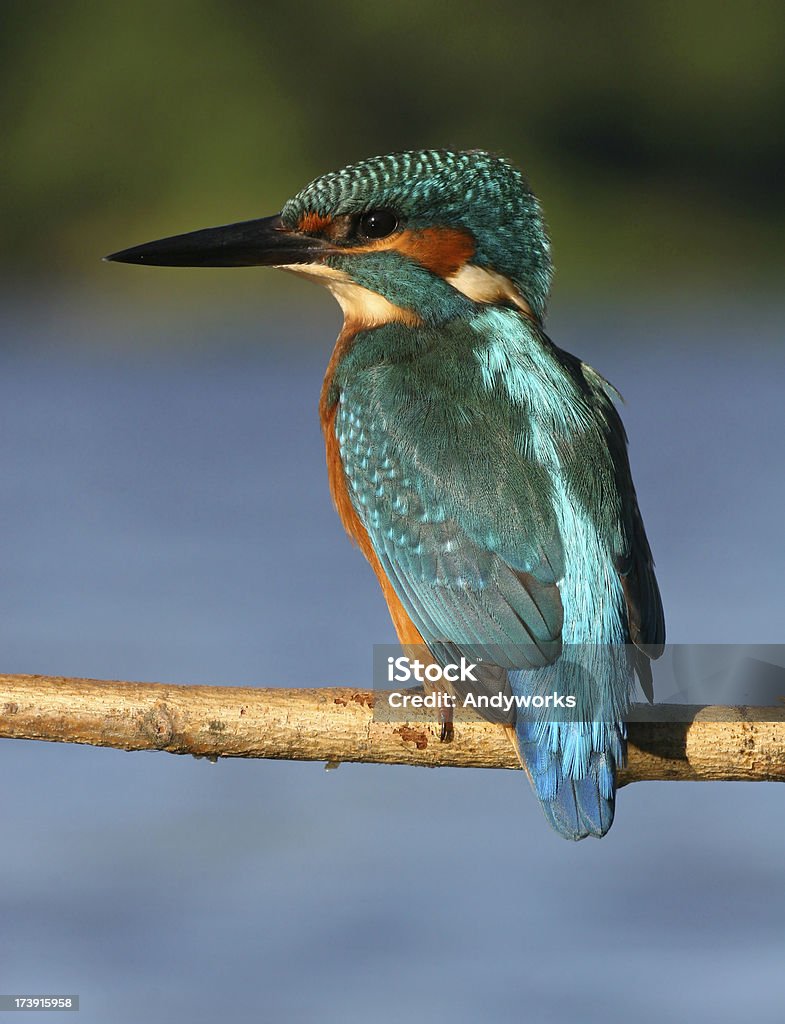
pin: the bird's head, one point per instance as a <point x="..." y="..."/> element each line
<point x="410" y="236"/>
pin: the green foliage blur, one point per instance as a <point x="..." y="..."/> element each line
<point x="652" y="131"/>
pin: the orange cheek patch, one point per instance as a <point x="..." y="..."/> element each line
<point x="443" y="251"/>
<point x="311" y="223"/>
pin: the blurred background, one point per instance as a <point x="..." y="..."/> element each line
<point x="166" y="514"/>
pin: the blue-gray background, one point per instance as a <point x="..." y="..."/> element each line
<point x="165" y="513"/>
<point x="166" y="517"/>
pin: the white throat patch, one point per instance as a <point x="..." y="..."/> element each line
<point x="360" y="306"/>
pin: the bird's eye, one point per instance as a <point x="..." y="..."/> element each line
<point x="378" y="223"/>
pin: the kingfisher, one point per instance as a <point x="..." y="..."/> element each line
<point x="481" y="469"/>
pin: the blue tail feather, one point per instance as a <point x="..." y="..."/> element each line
<point x="572" y="766"/>
<point x="576" y="807"/>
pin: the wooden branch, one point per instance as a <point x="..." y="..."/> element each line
<point x="338" y="724"/>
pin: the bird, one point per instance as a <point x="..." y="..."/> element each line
<point x="482" y="470"/>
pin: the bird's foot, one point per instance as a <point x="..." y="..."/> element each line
<point x="446" y="727"/>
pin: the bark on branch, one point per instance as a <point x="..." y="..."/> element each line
<point x="338" y="724"/>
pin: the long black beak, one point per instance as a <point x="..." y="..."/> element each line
<point x="251" y="243"/>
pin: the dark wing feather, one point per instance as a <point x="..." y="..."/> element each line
<point x="634" y="561"/>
